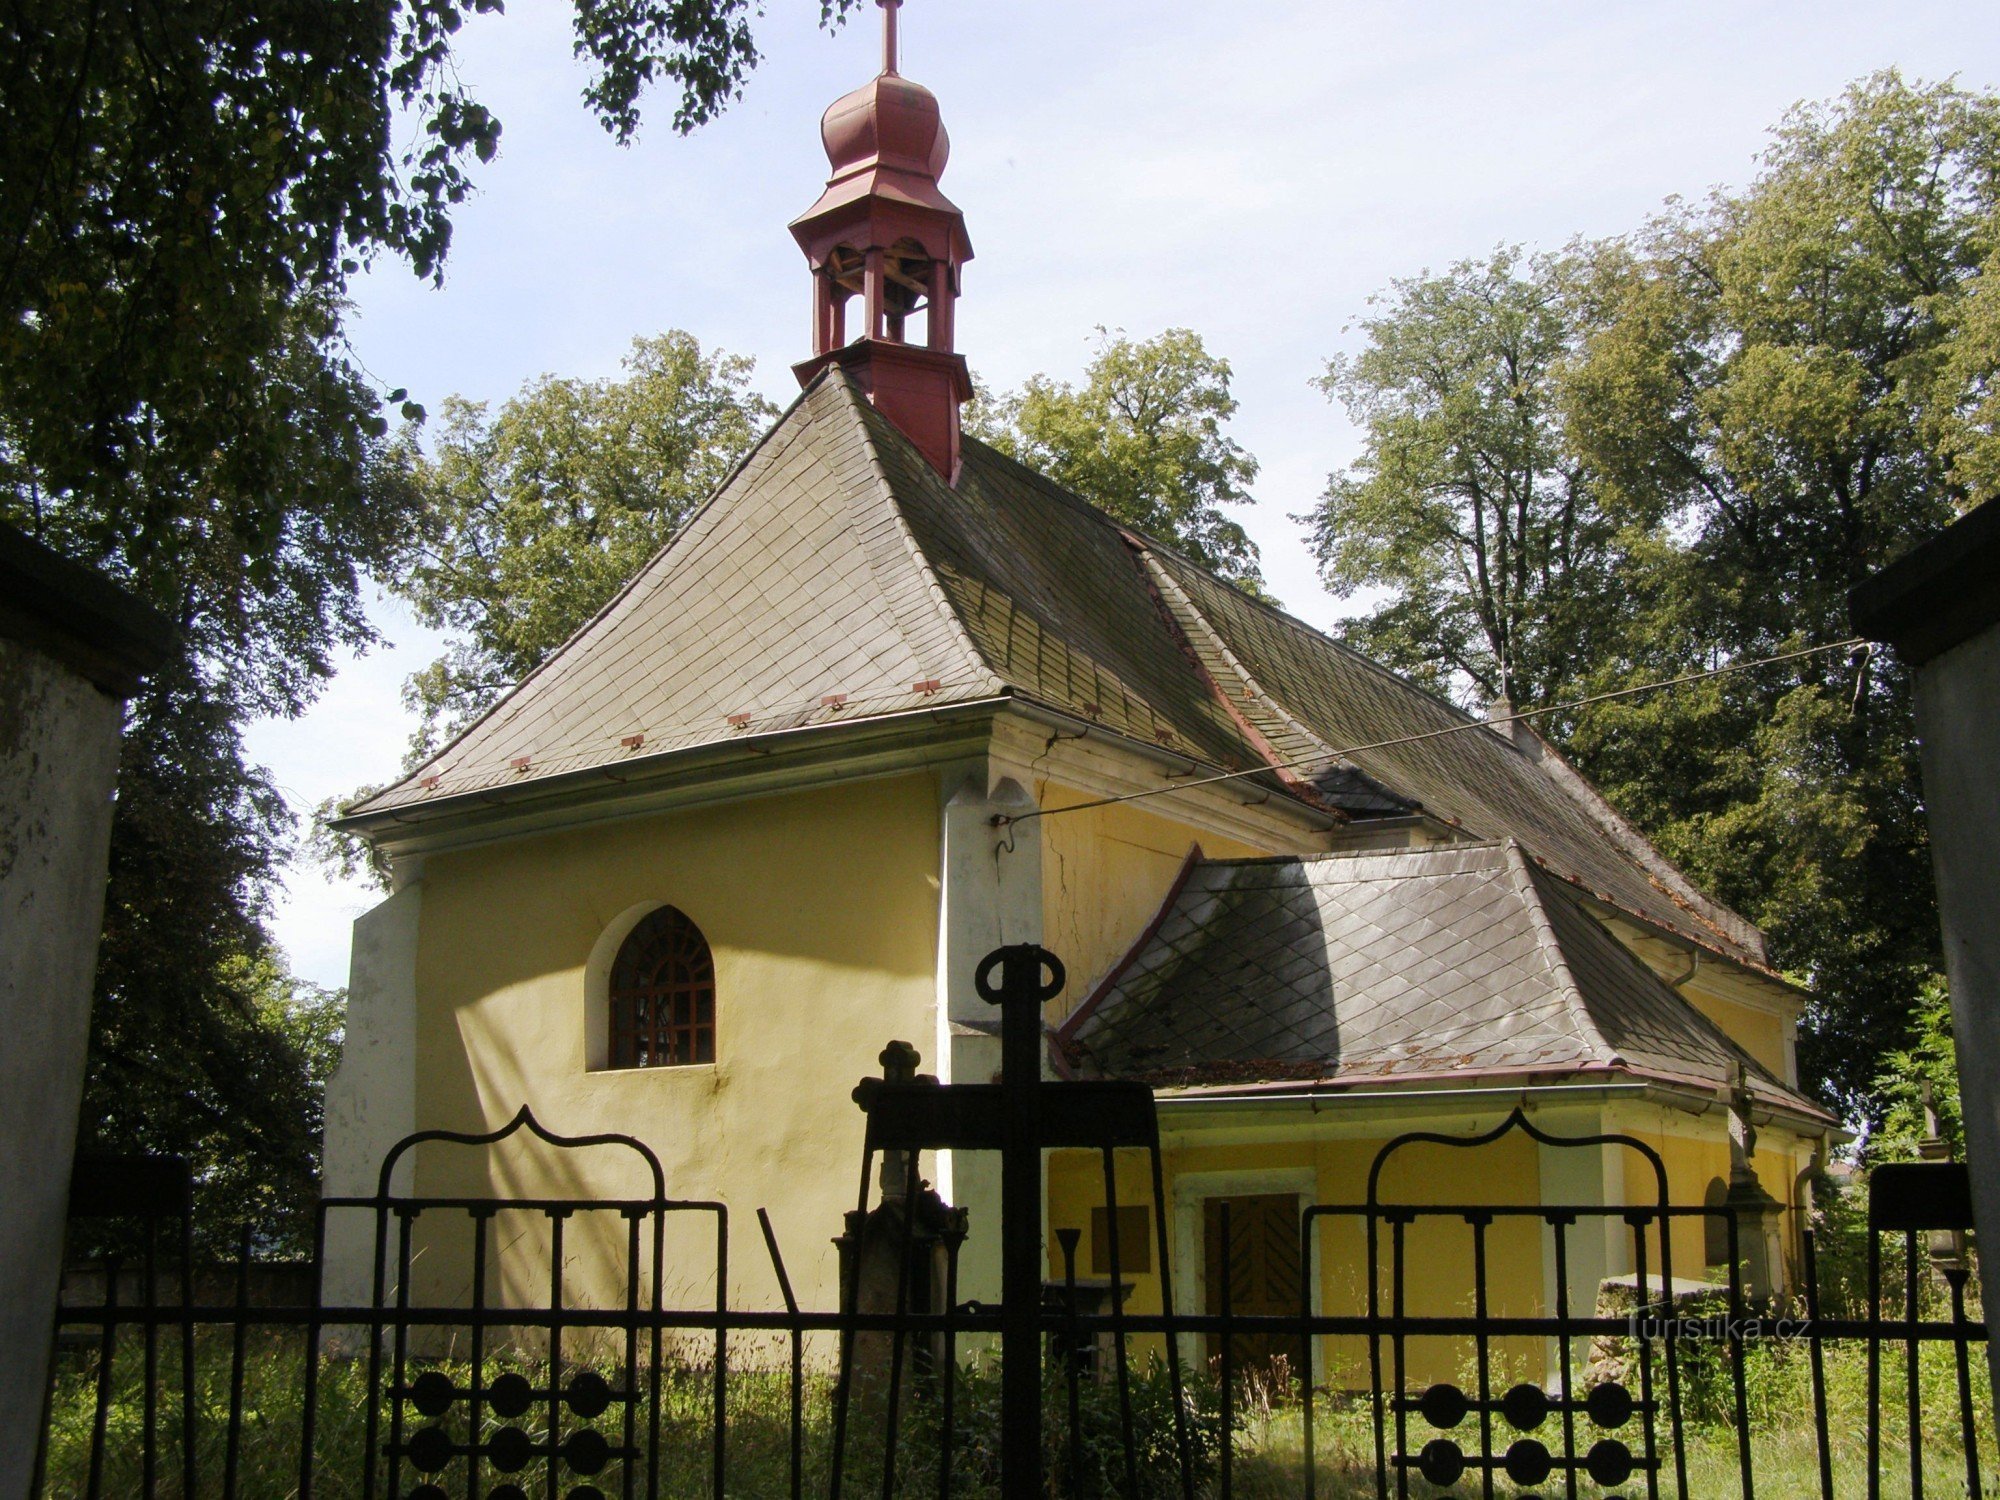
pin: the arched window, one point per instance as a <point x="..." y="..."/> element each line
<point x="663" y="995"/>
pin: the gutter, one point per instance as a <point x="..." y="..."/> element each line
<point x="1685" y="1095"/>
<point x="1471" y="1094"/>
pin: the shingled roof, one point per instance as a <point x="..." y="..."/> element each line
<point x="836" y="578"/>
<point x="1453" y="961"/>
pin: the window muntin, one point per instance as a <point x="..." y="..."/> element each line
<point x="663" y="995"/>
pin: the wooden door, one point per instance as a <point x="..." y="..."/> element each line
<point x="1262" y="1264"/>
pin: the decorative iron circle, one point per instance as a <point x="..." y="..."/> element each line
<point x="506" y="1492"/>
<point x="429" y="1492"/>
<point x="1528" y="1462"/>
<point x="586" y="1451"/>
<point x="1609" y="1405"/>
<point x="430" y="1450"/>
<point x="510" y="1449"/>
<point x="588" y="1395"/>
<point x="1443" y="1406"/>
<point x="510" y="1395"/>
<point x="1441" y="1462"/>
<point x="432" y="1394"/>
<point x="585" y="1492"/>
<point x="1608" y="1462"/>
<point x="1525" y="1406"/>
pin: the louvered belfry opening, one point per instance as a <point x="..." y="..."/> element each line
<point x="884" y="232"/>
<point x="663" y="995"/>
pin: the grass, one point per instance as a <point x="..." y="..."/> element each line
<point x="1268" y="1457"/>
<point x="1270" y="1450"/>
<point x="759" y="1450"/>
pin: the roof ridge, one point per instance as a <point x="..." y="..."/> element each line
<point x="1360" y="657"/>
<point x="1537" y="874"/>
<point x="1661" y="870"/>
<point x="1178" y="604"/>
<point x="887" y="489"/>
<point x="1522" y="877"/>
<point x="674" y="538"/>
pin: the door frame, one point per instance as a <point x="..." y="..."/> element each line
<point x="1190" y="1191"/>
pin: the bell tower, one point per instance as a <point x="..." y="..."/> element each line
<point x="882" y="231"/>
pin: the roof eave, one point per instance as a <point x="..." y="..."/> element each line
<point x="1406" y="1090"/>
<point x="753" y="764"/>
<point x="1263" y="779"/>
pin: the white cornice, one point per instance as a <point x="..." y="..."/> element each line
<point x="1036" y="744"/>
<point x="754" y="766"/>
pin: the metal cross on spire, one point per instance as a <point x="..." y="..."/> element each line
<point x="889" y="9"/>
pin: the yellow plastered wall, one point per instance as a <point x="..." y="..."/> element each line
<point x="1439" y="1253"/>
<point x="1757" y="1032"/>
<point x="1105" y="871"/>
<point x="1692" y="1163"/>
<point x="1691" y="1166"/>
<point x="821" y="912"/>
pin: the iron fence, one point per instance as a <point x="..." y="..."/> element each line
<point x="504" y="1383"/>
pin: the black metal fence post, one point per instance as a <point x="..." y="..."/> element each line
<point x="1020" y="994"/>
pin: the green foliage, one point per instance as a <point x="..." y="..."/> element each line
<point x="1762" y="378"/>
<point x="532" y="519"/>
<point x="1466" y="501"/>
<point x="1736" y="415"/>
<point x="256" y="553"/>
<point x="186" y="192"/>
<point x="175" y="181"/>
<point x="759" y="1415"/>
<point x="227" y="1066"/>
<point x="1962" y="415"/>
<point x="1143" y="440"/>
<point x="1921" y="1077"/>
<point x="1269" y="1453"/>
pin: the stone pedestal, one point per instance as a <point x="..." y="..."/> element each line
<point x="896" y="1257"/>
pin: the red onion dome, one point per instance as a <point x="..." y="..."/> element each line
<point x="888" y="119"/>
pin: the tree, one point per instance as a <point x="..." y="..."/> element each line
<point x="175" y="179"/>
<point x="1918" y="1084"/>
<point x="1962" y="416"/>
<point x="1765" y="381"/>
<point x="528" y="521"/>
<point x="1142" y="439"/>
<point x="1466" y="501"/>
<point x="262" y="593"/>
<point x="185" y="192"/>
<point x="532" y="520"/>
<point x="1753" y="403"/>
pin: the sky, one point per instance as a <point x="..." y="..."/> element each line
<point x="1255" y="171"/>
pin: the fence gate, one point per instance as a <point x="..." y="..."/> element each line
<point x="556" y="1419"/>
<point x="1585" y="1435"/>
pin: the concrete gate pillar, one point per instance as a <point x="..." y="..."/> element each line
<point x="1939" y="606"/>
<point x="72" y="648"/>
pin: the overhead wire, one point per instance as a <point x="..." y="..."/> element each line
<point x="1325" y="762"/>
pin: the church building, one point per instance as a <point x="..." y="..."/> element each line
<point x="890" y="700"/>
